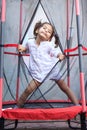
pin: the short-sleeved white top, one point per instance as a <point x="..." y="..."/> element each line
<point x="42" y="59"/>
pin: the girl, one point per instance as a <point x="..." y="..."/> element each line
<point x="42" y="58"/>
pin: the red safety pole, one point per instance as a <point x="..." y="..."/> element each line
<point x="80" y="56"/>
<point x="1" y="51"/>
<point x="82" y="85"/>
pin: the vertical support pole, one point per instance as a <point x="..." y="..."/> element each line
<point x="1" y="51"/>
<point x="80" y="56"/>
<point x="68" y="42"/>
<point x="83" y="114"/>
<point x="19" y="58"/>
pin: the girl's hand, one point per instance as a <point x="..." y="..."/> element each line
<point x="21" y="48"/>
<point x="61" y="56"/>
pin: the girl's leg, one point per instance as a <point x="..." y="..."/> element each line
<point x="63" y="86"/>
<point x="31" y="87"/>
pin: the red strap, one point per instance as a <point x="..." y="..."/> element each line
<point x="71" y="50"/>
<point x="12" y="53"/>
<point x="11" y="45"/>
<point x="84" y="48"/>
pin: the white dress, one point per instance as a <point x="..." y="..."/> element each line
<point x="42" y="59"/>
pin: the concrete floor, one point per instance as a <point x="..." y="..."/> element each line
<point x="47" y="125"/>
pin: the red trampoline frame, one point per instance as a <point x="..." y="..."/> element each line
<point x="42" y="114"/>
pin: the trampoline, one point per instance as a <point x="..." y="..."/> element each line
<point x="33" y="110"/>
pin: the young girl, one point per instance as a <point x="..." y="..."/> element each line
<point x="42" y="58"/>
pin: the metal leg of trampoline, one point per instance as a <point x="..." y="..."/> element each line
<point x="1" y="124"/>
<point x="73" y="127"/>
<point x="83" y="121"/>
<point x="2" y="120"/>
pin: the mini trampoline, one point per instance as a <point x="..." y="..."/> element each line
<point x="37" y="110"/>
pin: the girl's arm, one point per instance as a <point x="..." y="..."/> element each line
<point x="21" y="48"/>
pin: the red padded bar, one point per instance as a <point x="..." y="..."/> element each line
<point x="42" y="114"/>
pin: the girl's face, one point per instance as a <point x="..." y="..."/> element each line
<point x="45" y="32"/>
